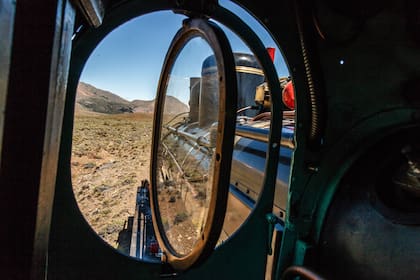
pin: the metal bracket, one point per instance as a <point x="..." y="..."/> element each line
<point x="271" y="220"/>
<point x="92" y="10"/>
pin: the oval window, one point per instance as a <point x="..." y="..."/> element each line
<point x="112" y="132"/>
<point x="112" y="137"/>
<point x="192" y="143"/>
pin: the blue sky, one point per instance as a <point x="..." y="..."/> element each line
<point x="129" y="60"/>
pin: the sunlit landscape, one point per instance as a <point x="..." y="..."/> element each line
<point x="110" y="157"/>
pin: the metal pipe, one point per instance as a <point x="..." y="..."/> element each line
<point x="173" y="158"/>
<point x="294" y="271"/>
<point x="253" y="133"/>
<point x="262" y="135"/>
<point x="200" y="140"/>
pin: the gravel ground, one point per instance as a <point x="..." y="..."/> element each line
<point x="110" y="157"/>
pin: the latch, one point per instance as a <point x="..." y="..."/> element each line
<point x="272" y="221"/>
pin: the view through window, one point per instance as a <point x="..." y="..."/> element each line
<point x="113" y="126"/>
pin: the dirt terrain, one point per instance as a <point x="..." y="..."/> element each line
<point x="110" y="157"/>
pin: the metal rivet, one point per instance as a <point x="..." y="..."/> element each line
<point x="313" y="168"/>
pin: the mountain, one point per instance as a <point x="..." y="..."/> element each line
<point x="172" y="106"/>
<point x="143" y="106"/>
<point x="92" y="99"/>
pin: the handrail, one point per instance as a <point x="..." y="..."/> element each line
<point x="295" y="270"/>
<point x="258" y="134"/>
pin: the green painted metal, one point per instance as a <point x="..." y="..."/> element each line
<point x="362" y="85"/>
<point x="271" y="220"/>
<point x="75" y="246"/>
<point x="355" y="70"/>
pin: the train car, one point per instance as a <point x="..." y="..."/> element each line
<point x="326" y="190"/>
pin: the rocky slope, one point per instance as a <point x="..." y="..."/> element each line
<point x="92" y="99"/>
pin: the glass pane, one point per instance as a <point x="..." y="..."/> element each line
<point x="187" y="144"/>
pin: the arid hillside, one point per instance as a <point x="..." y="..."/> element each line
<point x="92" y="99"/>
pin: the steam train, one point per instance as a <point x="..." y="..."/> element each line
<point x="194" y="132"/>
<point x="350" y="209"/>
<point x="188" y="146"/>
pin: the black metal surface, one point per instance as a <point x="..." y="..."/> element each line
<point x="371" y="232"/>
<point x="7" y="14"/>
<point x="39" y="61"/>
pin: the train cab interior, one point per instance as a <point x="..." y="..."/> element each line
<point x="294" y="157"/>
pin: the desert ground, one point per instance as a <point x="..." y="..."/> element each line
<point x="110" y="158"/>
